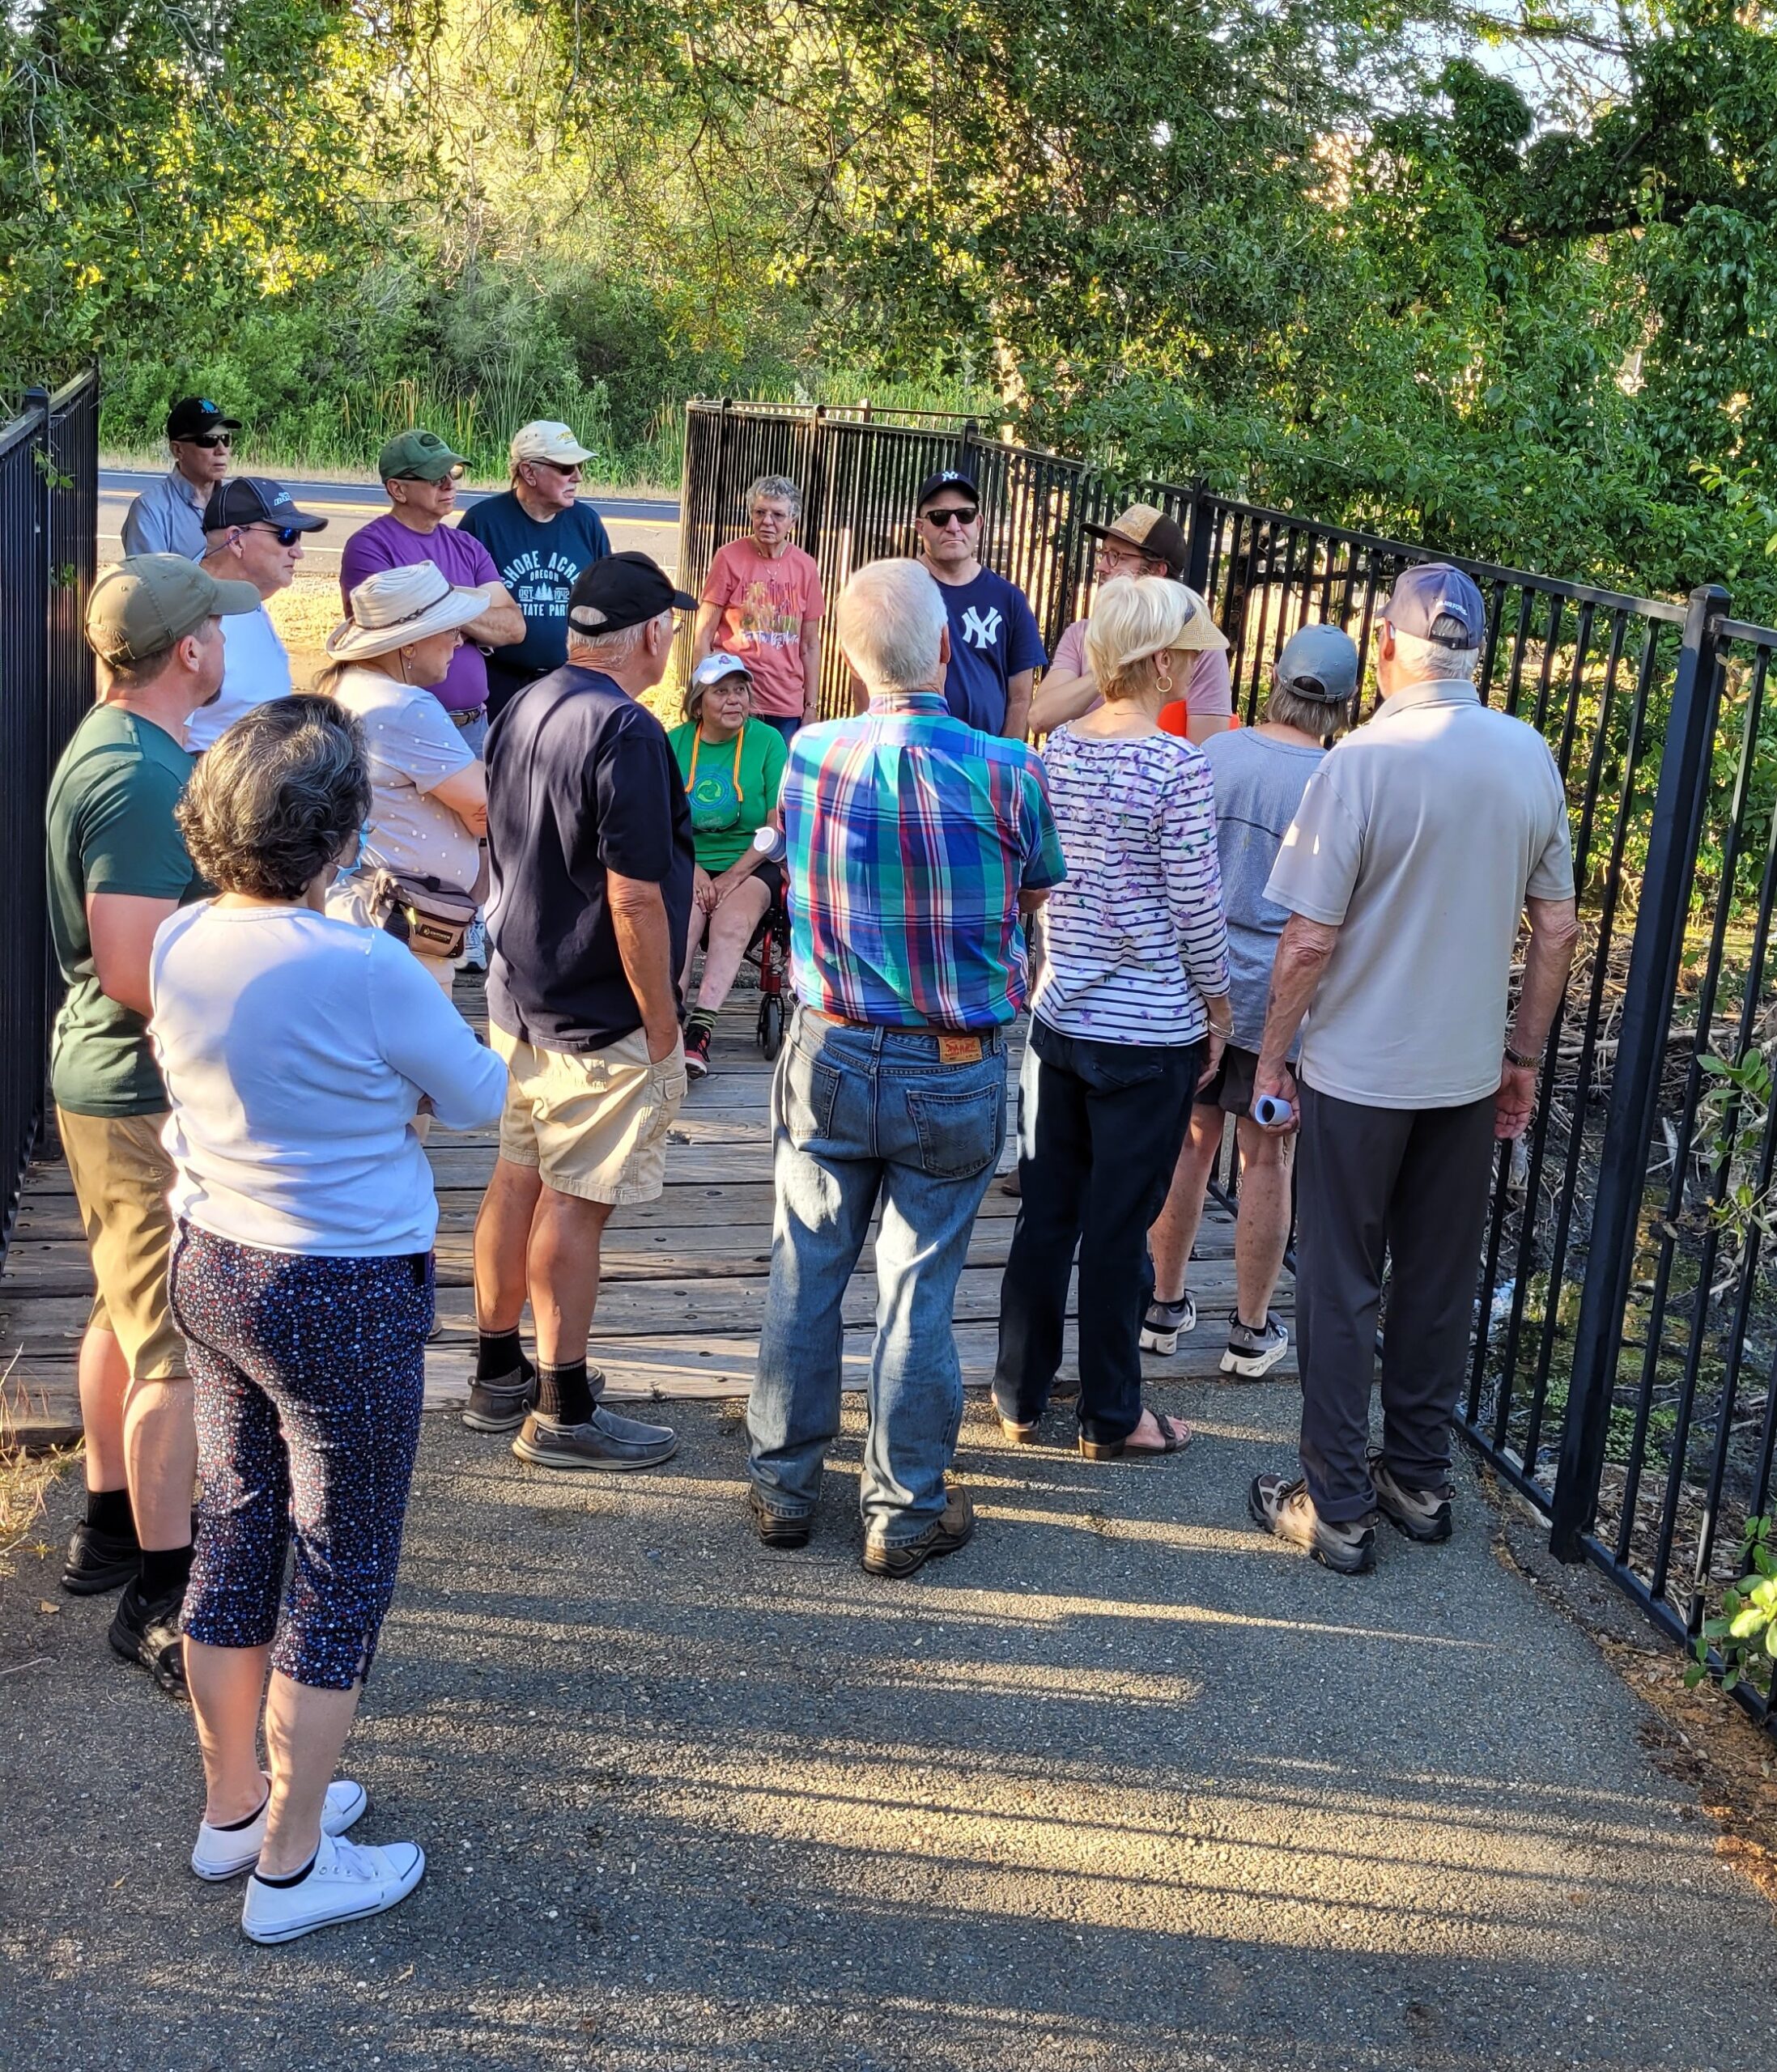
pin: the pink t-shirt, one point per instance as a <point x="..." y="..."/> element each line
<point x="1208" y="690"/>
<point x="764" y="604"/>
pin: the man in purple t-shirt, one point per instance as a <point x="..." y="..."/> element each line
<point x="420" y="472"/>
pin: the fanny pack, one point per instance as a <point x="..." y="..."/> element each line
<point x="433" y="918"/>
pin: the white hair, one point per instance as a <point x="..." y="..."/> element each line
<point x="606" y="650"/>
<point x="775" y="488"/>
<point x="892" y="626"/>
<point x="1432" y="661"/>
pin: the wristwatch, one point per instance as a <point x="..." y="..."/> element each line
<point x="1518" y="1058"/>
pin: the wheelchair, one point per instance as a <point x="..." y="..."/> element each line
<point x="770" y="951"/>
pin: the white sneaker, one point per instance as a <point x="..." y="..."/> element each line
<point x="226" y="1852"/>
<point x="347" y="1883"/>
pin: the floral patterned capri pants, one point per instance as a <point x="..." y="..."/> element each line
<point x="307" y="1375"/>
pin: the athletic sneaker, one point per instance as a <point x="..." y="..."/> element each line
<point x="347" y="1882"/>
<point x="1421" y="1514"/>
<point x="1284" y="1507"/>
<point x="1166" y="1322"/>
<point x="1254" y="1352"/>
<point x="499" y="1405"/>
<point x="697" y="1036"/>
<point x="605" y="1441"/>
<point x="221" y="1852"/>
<point x="149" y="1634"/>
<point x="98" y="1561"/>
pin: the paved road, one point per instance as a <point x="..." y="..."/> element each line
<point x="648" y="523"/>
<point x="1122" y="1786"/>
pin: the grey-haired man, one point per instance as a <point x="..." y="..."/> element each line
<point x="1420" y="842"/>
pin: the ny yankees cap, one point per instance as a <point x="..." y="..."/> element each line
<point x="946" y="478"/>
<point x="621" y="590"/>
<point x="1437" y="602"/>
<point x="256" y="500"/>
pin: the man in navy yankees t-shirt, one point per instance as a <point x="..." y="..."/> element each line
<point x="995" y="648"/>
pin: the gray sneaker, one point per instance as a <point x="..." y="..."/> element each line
<point x="1284" y="1508"/>
<point x="499" y="1404"/>
<point x="1254" y="1352"/>
<point x="604" y="1441"/>
<point x="1421" y="1514"/>
<point x="1166" y="1322"/>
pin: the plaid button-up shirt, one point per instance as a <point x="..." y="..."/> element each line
<point x="909" y="837"/>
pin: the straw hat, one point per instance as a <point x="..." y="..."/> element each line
<point x="397" y="606"/>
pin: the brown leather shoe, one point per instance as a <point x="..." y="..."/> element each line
<point x="900" y="1557"/>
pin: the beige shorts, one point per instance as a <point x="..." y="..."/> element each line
<point x="121" y="1175"/>
<point x="593" y="1122"/>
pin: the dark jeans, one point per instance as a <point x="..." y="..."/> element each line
<point x="1102" y="1126"/>
<point x="1411" y="1183"/>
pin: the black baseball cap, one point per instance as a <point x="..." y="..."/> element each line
<point x="193" y="416"/>
<point x="946" y="478"/>
<point x="255" y="500"/>
<point x="621" y="590"/>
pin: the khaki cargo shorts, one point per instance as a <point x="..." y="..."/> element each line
<point x="593" y="1122"/>
<point x="121" y="1175"/>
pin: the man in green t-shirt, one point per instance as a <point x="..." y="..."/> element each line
<point x="118" y="868"/>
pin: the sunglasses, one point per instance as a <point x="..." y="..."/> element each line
<point x="964" y="514"/>
<point x="285" y="536"/>
<point x="559" y="467"/>
<point x="431" y="481"/>
<point x="208" y="440"/>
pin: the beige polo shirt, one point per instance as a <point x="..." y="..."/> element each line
<point x="1419" y="838"/>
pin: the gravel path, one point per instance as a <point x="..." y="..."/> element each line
<point x="1122" y="1784"/>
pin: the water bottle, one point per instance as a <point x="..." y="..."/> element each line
<point x="1271" y="1110"/>
<point x="770" y="843"/>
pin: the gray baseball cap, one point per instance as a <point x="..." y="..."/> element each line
<point x="1436" y="601"/>
<point x="1319" y="663"/>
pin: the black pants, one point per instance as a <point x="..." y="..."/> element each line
<point x="1109" y="1120"/>
<point x="1412" y="1183"/>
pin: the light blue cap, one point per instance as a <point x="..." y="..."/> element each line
<point x="1320" y="663"/>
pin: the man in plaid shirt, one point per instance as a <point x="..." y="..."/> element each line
<point x="915" y="845"/>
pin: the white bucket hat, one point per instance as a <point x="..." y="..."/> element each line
<point x="396" y="605"/>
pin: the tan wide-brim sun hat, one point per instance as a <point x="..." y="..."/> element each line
<point x="397" y="606"/>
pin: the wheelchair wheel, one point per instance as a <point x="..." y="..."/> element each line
<point x="770" y="1024"/>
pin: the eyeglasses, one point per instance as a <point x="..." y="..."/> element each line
<point x="207" y="439"/>
<point x="559" y="467"/>
<point x="964" y="514"/>
<point x="285" y="536"/>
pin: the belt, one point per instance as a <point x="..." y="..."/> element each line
<point x="902" y="1028"/>
<point x="465" y="718"/>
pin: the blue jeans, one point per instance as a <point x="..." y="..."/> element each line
<point x="786" y="723"/>
<point x="862" y="1116"/>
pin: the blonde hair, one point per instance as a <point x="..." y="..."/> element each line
<point x="1134" y="618"/>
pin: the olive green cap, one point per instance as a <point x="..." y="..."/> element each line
<point x="417" y="455"/>
<point x="140" y="608"/>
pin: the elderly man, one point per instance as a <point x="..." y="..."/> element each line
<point x="915" y="845"/>
<point x="117" y="868"/>
<point x="419" y="473"/>
<point x="1419" y="843"/>
<point x="995" y="650"/>
<point x="168" y="517"/>
<point x="541" y="537"/>
<point x="1139" y="542"/>
<point x="589" y="838"/>
<point x="254" y="529"/>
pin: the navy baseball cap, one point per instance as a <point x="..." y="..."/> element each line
<point x="1435" y="601"/>
<point x="946" y="478"/>
<point x="1319" y="663"/>
<point x="256" y="500"/>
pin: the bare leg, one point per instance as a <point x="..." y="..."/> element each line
<point x="694" y="934"/>
<point x="502" y="1240"/>
<point x="1174" y="1231"/>
<point x="563" y="1262"/>
<point x="305" y="1729"/>
<point x="1261" y="1229"/>
<point x="160" y="1451"/>
<point x="228" y="1688"/>
<point x="731" y="928"/>
<point x="104" y="1382"/>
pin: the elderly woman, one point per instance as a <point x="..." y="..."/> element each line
<point x="762" y="601"/>
<point x="1128" y="1016"/>
<point x="419" y="873"/>
<point x="732" y="765"/>
<point x="297" y="1049"/>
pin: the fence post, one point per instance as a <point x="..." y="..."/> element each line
<point x="815" y="483"/>
<point x="1654" y="957"/>
<point x="1197" y="527"/>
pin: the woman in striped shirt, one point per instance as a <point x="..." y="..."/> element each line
<point x="1129" y="1017"/>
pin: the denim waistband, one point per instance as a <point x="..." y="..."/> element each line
<point x="899" y="1038"/>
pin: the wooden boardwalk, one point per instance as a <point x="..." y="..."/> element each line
<point x="683" y="1280"/>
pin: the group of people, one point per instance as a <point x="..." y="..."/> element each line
<point x="1306" y="926"/>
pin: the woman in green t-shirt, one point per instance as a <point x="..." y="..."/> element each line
<point x="732" y="765"/>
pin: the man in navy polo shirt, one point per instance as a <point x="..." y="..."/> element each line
<point x="995" y="648"/>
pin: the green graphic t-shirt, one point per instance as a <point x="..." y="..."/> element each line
<point x="731" y="791"/>
<point x="110" y="829"/>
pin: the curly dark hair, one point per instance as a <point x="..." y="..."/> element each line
<point x="280" y="795"/>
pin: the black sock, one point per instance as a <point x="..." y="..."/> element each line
<point x="564" y="1393"/>
<point x="296" y="1877"/>
<point x="234" y="1826"/>
<point x="107" y="1511"/>
<point x="497" y="1353"/>
<point x="164" y="1570"/>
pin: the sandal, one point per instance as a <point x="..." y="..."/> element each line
<point x="1171" y="1442"/>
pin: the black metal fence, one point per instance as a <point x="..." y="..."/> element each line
<point x="48" y="528"/>
<point x="1624" y="1367"/>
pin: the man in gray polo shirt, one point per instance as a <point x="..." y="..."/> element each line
<point x="168" y="517"/>
<point x="1420" y="844"/>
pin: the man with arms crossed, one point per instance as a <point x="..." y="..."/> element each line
<point x="1420" y="842"/>
<point x="915" y="845"/>
<point x="589" y="841"/>
<point x="117" y="868"/>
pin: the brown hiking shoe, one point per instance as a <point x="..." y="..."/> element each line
<point x="946" y="1533"/>
<point x="1284" y="1507"/>
<point x="1421" y="1514"/>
